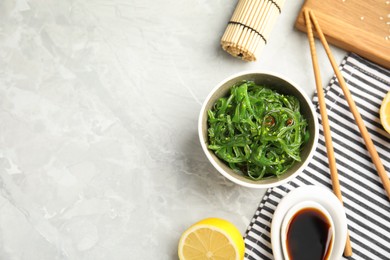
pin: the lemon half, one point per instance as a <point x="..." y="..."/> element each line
<point x="211" y="238"/>
<point x="384" y="113"/>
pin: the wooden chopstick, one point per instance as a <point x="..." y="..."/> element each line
<point x="325" y="122"/>
<point x="352" y="106"/>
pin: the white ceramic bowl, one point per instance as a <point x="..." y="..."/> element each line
<point x="291" y="213"/>
<point x="281" y="85"/>
<point x="326" y="199"/>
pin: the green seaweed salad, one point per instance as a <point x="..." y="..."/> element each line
<point x="257" y="131"/>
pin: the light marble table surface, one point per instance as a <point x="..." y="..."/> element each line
<point x="99" y="101"/>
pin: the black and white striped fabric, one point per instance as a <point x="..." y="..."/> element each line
<point x="366" y="204"/>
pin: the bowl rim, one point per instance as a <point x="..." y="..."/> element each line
<point x="222" y="171"/>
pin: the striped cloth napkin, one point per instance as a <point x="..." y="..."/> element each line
<point x="365" y="201"/>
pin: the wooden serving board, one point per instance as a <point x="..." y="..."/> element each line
<point x="359" y="26"/>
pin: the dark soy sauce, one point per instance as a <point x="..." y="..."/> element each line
<point x="307" y="235"/>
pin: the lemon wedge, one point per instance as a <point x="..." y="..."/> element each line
<point x="211" y="238"/>
<point x="384" y="113"/>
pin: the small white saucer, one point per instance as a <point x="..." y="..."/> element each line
<point x="325" y="198"/>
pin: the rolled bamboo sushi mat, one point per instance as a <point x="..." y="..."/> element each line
<point x="249" y="28"/>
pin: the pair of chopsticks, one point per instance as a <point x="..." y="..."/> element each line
<point x="309" y="19"/>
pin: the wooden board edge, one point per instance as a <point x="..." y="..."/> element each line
<point x="380" y="58"/>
